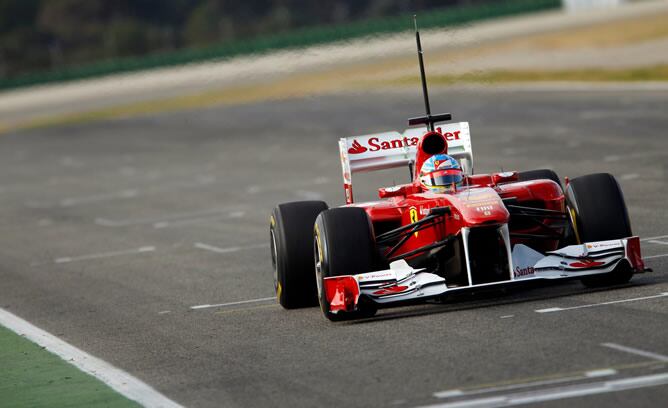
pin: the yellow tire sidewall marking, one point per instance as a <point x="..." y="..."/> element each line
<point x="317" y="240"/>
<point x="575" y="225"/>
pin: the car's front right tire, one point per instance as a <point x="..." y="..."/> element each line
<point x="596" y="206"/>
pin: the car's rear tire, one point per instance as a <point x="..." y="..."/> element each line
<point x="344" y="244"/>
<point x="540" y="174"/>
<point x="598" y="213"/>
<point x="291" y="239"/>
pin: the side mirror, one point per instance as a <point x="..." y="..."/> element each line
<point x="398" y="191"/>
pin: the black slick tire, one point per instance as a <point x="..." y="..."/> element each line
<point x="344" y="244"/>
<point x="540" y="174"/>
<point x="291" y="245"/>
<point x="598" y="213"/>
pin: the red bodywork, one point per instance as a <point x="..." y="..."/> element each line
<point x="479" y="203"/>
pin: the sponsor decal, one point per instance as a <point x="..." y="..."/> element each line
<point x="413" y="212"/>
<point x="604" y="245"/>
<point x="451" y="136"/>
<point x="486" y="210"/>
<point x="374" y="144"/>
<point x="478" y="197"/>
<point x="477" y="204"/>
<point x="443" y="165"/>
<point x="357" y="148"/>
<point x="529" y="270"/>
<point x="376" y="276"/>
<point x="586" y="263"/>
<point x="389" y="291"/>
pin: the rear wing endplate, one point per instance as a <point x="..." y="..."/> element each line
<point x="387" y="150"/>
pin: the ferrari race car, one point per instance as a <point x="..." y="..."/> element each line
<point x="416" y="244"/>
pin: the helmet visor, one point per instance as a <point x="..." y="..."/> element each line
<point x="443" y="178"/>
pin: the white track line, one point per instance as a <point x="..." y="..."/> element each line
<point x="656" y="241"/>
<point x="631" y="350"/>
<point x="242" y="302"/>
<point x="631" y="176"/>
<point x="561" y="309"/>
<point x="655" y="256"/>
<point x="653" y="238"/>
<point x="96" y="198"/>
<point x="558" y="393"/>
<point x="120" y="381"/>
<point x="228" y="250"/>
<point x="199" y="220"/>
<point x="588" y="374"/>
<point x="139" y="221"/>
<point x="461" y="393"/>
<point x="90" y="199"/>
<point x="604" y="372"/>
<point x="67" y="259"/>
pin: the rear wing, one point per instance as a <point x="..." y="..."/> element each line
<point x="393" y="149"/>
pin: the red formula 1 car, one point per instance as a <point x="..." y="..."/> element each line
<point x="415" y="244"/>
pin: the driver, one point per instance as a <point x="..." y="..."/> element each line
<point x="441" y="174"/>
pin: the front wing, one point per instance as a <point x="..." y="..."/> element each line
<point x="401" y="283"/>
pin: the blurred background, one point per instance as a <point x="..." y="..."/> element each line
<point x="144" y="143"/>
<point x="41" y="35"/>
<point x="155" y="51"/>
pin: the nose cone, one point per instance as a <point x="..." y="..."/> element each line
<point x="480" y="206"/>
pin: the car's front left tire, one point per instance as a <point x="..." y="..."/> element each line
<point x="344" y="244"/>
<point x="290" y="240"/>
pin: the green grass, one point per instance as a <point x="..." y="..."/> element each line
<point x="32" y="377"/>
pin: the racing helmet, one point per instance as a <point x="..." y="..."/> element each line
<point x="441" y="173"/>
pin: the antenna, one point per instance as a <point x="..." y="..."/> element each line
<point x="428" y="119"/>
<point x="423" y="77"/>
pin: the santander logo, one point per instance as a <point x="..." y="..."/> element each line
<point x="375" y="144"/>
<point x="529" y="270"/>
<point x="357" y="148"/>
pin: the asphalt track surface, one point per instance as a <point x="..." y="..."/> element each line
<point x="113" y="231"/>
